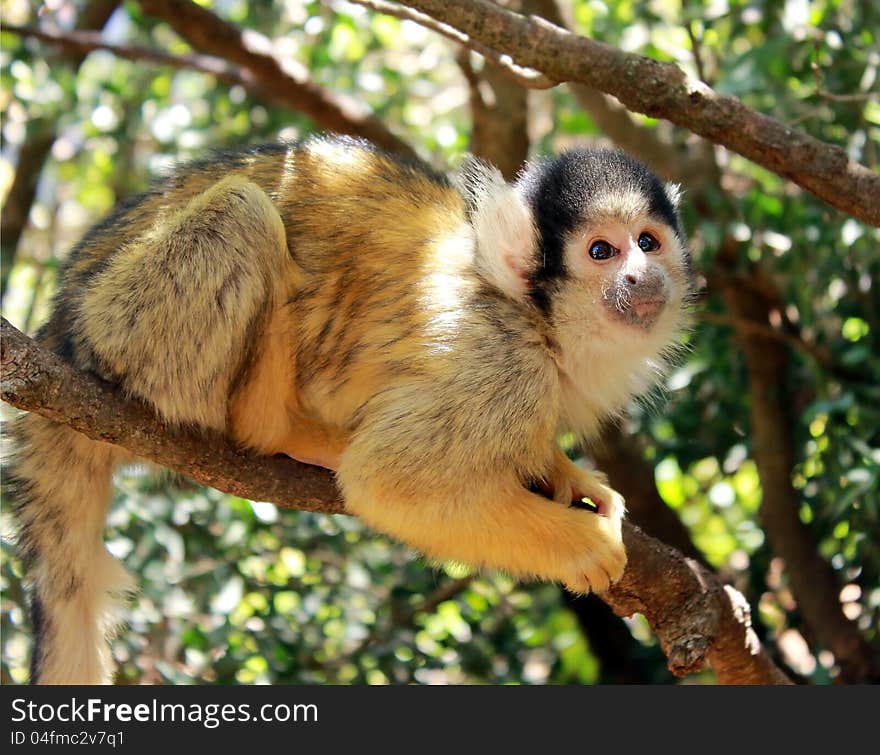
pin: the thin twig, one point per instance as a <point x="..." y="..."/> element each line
<point x="89" y="41"/>
<point x="766" y="331"/>
<point x="283" y="81"/>
<point x="696" y="50"/>
<point x="526" y="77"/>
<point x="381" y="632"/>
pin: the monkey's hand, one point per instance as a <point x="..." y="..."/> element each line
<point x="570" y="483"/>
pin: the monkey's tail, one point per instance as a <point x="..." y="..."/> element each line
<point x="59" y="483"/>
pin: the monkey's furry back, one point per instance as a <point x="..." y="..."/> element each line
<point x="311" y="193"/>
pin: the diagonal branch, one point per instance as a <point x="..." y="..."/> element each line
<point x="697" y="619"/>
<point x="287" y="84"/>
<point x="84" y="42"/>
<point x="662" y="90"/>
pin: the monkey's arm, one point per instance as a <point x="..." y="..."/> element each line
<point x="443" y="488"/>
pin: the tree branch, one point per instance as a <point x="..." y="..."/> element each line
<point x="662" y="90"/>
<point x="524" y="76"/>
<point x="288" y="84"/>
<point x="695" y="616"/>
<point x="84" y="42"/>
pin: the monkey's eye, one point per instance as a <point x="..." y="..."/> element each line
<point x="602" y="250"/>
<point x="647" y="243"/>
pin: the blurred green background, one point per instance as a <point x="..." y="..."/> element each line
<point x="241" y="592"/>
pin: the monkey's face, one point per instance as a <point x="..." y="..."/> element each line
<point x="604" y="260"/>
<point x="610" y="264"/>
<point x="622" y="298"/>
<point x="609" y="235"/>
<point x="617" y="312"/>
<point x="631" y="269"/>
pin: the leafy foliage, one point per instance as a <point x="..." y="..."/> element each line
<point x="234" y="591"/>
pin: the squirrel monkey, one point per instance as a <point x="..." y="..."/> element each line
<point x="426" y="338"/>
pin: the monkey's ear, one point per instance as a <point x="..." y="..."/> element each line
<point x="673" y="191"/>
<point x="503" y="227"/>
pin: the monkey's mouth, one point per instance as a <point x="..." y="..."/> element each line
<point x="641" y="313"/>
<point x="646" y="310"/>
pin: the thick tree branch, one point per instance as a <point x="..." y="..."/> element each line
<point x="288" y="84"/>
<point x="696" y="618"/>
<point x="662" y="90"/>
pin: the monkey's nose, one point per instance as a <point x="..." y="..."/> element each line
<point x="631" y="279"/>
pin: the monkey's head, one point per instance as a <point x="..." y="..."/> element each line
<point x="593" y="240"/>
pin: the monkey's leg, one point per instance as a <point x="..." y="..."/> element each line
<point x="297" y="435"/>
<point x="178" y="315"/>
<point x="260" y="412"/>
<point x="487" y="521"/>
<point x="312" y="442"/>
<point x="171" y="316"/>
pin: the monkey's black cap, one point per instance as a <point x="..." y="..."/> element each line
<point x="568" y="190"/>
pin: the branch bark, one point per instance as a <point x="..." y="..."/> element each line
<point x="288" y="85"/>
<point x="662" y="90"/>
<point x="697" y="619"/>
